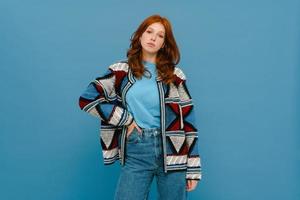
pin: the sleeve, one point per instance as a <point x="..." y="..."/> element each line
<point x="100" y="100"/>
<point x="189" y="126"/>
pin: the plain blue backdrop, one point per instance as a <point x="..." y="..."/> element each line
<point x="241" y="59"/>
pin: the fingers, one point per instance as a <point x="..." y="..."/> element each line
<point x="129" y="131"/>
<point x="131" y="127"/>
<point x="188" y="185"/>
<point x="134" y="125"/>
<point x="138" y="128"/>
<point x="191" y="185"/>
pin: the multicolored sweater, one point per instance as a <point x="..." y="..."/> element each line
<point x="105" y="98"/>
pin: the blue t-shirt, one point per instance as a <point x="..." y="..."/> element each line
<point x="143" y="99"/>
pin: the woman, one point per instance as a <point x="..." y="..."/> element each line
<point x="147" y="116"/>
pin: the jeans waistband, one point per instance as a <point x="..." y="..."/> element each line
<point x="151" y="131"/>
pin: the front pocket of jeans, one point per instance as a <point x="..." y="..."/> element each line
<point x="133" y="137"/>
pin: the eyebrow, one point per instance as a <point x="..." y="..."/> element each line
<point x="159" y="31"/>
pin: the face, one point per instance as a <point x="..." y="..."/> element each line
<point x="153" y="38"/>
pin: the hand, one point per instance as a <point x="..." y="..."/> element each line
<point x="131" y="127"/>
<point x="191" y="185"/>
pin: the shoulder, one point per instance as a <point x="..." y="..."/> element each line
<point x="120" y="65"/>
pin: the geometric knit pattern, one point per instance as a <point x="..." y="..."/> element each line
<point x="104" y="98"/>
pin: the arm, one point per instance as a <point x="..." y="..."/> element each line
<point x="99" y="99"/>
<point x="189" y="126"/>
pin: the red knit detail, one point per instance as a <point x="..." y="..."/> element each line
<point x="174" y="107"/>
<point x="83" y="102"/>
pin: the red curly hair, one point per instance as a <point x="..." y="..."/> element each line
<point x="166" y="58"/>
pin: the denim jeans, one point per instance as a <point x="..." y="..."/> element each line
<point x="143" y="161"/>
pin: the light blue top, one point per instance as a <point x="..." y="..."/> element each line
<point x="142" y="99"/>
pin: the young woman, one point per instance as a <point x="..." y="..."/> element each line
<point x="147" y="116"/>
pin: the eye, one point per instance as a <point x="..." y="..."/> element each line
<point x="148" y="31"/>
<point x="161" y="36"/>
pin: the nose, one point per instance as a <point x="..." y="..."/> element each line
<point x="153" y="37"/>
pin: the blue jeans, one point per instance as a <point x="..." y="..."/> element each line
<point x="143" y="161"/>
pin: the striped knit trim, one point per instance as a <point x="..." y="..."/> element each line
<point x="93" y="111"/>
<point x="163" y="122"/>
<point x="193" y="162"/>
<point x="126" y="118"/>
<point x="175" y="133"/>
<point x="111" y="160"/>
<point x="186" y="102"/>
<point x="119" y="66"/>
<point x="176" y="167"/>
<point x="193" y="176"/>
<point x="116" y="115"/>
<point x="172" y="100"/>
<point x="176" y="160"/>
<point x="110" y="154"/>
<point x="91" y="105"/>
<point x="91" y="108"/>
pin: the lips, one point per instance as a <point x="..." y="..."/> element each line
<point x="151" y="44"/>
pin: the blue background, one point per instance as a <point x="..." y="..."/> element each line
<point x="241" y="59"/>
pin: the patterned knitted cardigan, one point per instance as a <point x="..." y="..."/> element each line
<point x="105" y="98"/>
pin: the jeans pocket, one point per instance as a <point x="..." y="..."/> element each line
<point x="133" y="137"/>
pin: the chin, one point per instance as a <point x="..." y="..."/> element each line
<point x="150" y="51"/>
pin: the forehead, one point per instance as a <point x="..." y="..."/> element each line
<point x="158" y="27"/>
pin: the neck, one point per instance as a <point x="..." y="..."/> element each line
<point x="148" y="57"/>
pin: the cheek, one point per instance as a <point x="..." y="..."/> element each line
<point x="143" y="38"/>
<point x="161" y="42"/>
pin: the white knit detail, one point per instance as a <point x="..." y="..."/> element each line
<point x="173" y="92"/>
<point x="193" y="176"/>
<point x="94" y="112"/>
<point x="115" y="119"/>
<point x="190" y="140"/>
<point x="108" y="86"/>
<point x="119" y="67"/>
<point x="193" y="162"/>
<point x="110" y="153"/>
<point x="178" y="72"/>
<point x="183" y="93"/>
<point x="107" y="136"/>
<point x="177" y="141"/>
<point x="172" y="160"/>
